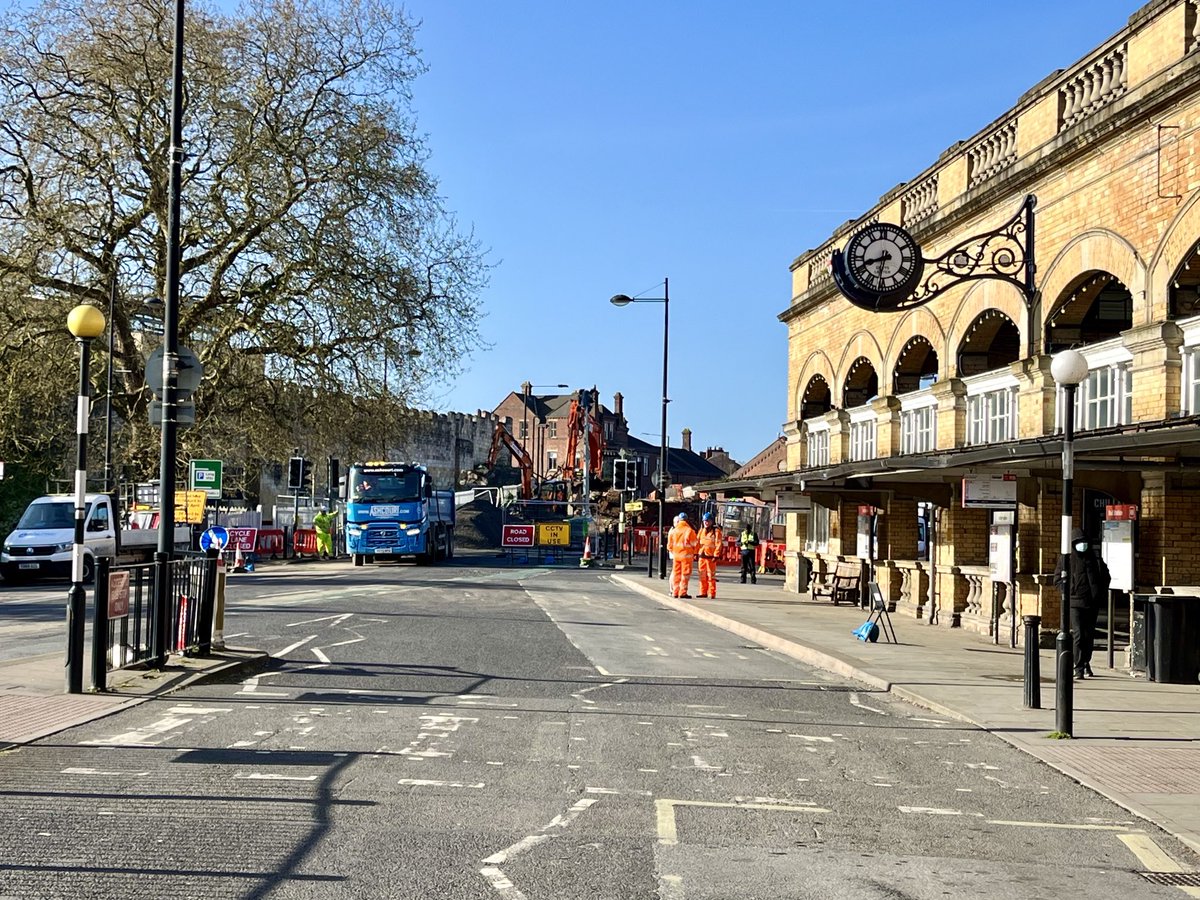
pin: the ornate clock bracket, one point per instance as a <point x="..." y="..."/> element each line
<point x="1005" y="254"/>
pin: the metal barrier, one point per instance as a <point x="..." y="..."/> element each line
<point x="304" y="541"/>
<point x="132" y="638"/>
<point x="270" y="543"/>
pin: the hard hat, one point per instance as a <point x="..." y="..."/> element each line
<point x="683" y="517"/>
<point x="708" y="517"/>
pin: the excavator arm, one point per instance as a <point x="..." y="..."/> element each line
<point x="503" y="439"/>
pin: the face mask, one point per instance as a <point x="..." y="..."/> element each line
<point x="1081" y="546"/>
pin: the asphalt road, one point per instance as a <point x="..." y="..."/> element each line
<point x="481" y="732"/>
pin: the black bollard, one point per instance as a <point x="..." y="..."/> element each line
<point x="1033" y="675"/>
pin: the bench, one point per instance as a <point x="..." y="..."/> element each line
<point x="843" y="586"/>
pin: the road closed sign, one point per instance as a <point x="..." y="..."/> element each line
<point x="517" y="536"/>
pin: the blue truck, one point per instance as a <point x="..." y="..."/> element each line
<point x="393" y="510"/>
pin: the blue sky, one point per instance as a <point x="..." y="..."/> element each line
<point x="596" y="148"/>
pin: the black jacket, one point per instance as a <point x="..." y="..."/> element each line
<point x="1089" y="577"/>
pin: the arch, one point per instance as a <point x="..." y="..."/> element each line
<point x="1174" y="248"/>
<point x="919" y="322"/>
<point x="991" y="341"/>
<point x="862" y="343"/>
<point x="818" y="363"/>
<point x="917" y="366"/>
<point x="861" y="383"/>
<point x="1094" y="307"/>
<point x="817" y="398"/>
<point x="1183" y="289"/>
<point x="978" y="299"/>
<point x="1097" y="249"/>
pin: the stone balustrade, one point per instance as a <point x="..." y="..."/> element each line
<point x="993" y="154"/>
<point x="977" y="614"/>
<point x="920" y="203"/>
<point x="914" y="587"/>
<point x="1092" y="87"/>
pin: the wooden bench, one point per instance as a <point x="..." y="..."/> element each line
<point x="844" y="584"/>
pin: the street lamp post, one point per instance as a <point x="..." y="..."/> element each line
<point x="665" y="300"/>
<point x="112" y="298"/>
<point x="86" y="323"/>
<point x="1068" y="369"/>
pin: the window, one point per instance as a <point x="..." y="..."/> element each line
<point x="1105" y="398"/>
<point x="523" y="431"/>
<point x="918" y="429"/>
<point x="553" y="425"/>
<point x="816" y="538"/>
<point x="991" y="416"/>
<point x="552" y="459"/>
<point x="862" y="440"/>
<point x="608" y="429"/>
<point x="818" y="448"/>
<point x="1190" y="394"/>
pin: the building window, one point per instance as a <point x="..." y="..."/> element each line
<point x="918" y="429"/>
<point x="862" y="440"/>
<point x="816" y="539"/>
<point x="523" y="430"/>
<point x="1105" y="398"/>
<point x="992" y="416"/>
<point x="1191" y="382"/>
<point x="608" y="430"/>
<point x="553" y="426"/>
<point x="818" y="448"/>
<point x="552" y="459"/>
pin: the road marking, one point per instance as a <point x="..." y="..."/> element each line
<point x="665" y="813"/>
<point x="670" y="887"/>
<point x="930" y="810"/>
<point x="1149" y="854"/>
<point x="813" y="739"/>
<point x="342" y="617"/>
<point x="185" y="709"/>
<point x="81" y="770"/>
<point x="320" y="654"/>
<point x="144" y="736"/>
<point x="491" y="871"/>
<point x="271" y="776"/>
<point x="290" y="647"/>
<point x="344" y="643"/>
<point x="854" y="701"/>
<point x="1069" y="826"/>
<point x="500" y="882"/>
<point x="578" y="695"/>
<point x="429" y="782"/>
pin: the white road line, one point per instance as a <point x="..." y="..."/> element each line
<point x="856" y="702"/>
<point x="578" y="695"/>
<point x="429" y="782"/>
<point x="1069" y="826"/>
<point x="497" y="879"/>
<point x="340" y="617"/>
<point x="665" y="813"/>
<point x="81" y="770"/>
<point x="930" y="810"/>
<point x="184" y="710"/>
<point x="271" y="776"/>
<point x="530" y="840"/>
<point x="151" y="735"/>
<point x="344" y="643"/>
<point x="812" y="738"/>
<point x="290" y="647"/>
<point x="670" y="887"/>
<point x="500" y="882"/>
<point x="320" y="654"/>
<point x="1149" y="854"/>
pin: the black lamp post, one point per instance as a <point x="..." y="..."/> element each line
<point x="86" y="323"/>
<point x="1068" y="369"/>
<point x="665" y="300"/>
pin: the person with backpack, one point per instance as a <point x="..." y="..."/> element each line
<point x="1088" y="589"/>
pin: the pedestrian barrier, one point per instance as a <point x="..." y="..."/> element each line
<point x="770" y="557"/>
<point x="304" y="542"/>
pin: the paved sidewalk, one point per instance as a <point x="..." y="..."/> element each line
<point x="33" y="705"/>
<point x="1136" y="742"/>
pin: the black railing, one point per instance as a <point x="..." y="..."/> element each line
<point x="129" y="639"/>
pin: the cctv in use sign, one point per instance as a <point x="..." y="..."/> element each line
<point x="517" y="536"/>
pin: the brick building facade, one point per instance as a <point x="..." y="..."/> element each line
<point x="892" y="410"/>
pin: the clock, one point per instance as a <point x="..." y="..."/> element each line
<point x="883" y="260"/>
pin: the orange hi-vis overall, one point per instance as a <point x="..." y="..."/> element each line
<point x="710" y="548"/>
<point x="681" y="541"/>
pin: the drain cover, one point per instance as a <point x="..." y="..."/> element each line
<point x="1175" y="879"/>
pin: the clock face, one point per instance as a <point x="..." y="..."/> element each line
<point x="884" y="259"/>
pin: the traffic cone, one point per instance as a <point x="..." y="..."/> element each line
<point x="239" y="564"/>
<point x="586" y="561"/>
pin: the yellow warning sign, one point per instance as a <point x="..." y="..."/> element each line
<point x="553" y="534"/>
<point x="189" y="507"/>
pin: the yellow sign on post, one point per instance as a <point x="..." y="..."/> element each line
<point x="634" y="506"/>
<point x="553" y="534"/>
<point x="189" y="507"/>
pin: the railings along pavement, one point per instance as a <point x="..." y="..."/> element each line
<point x="124" y="622"/>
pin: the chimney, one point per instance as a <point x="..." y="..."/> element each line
<point x="687" y="439"/>
<point x="618" y="404"/>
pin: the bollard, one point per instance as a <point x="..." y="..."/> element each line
<point x="100" y="627"/>
<point x="218" y="640"/>
<point x="1033" y="675"/>
<point x="207" y="600"/>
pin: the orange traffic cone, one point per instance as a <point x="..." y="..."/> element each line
<point x="586" y="561"/>
<point x="239" y="564"/>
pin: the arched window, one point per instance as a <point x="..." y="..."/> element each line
<point x="862" y="384"/>
<point x="817" y="399"/>
<point x="1183" y="294"/>
<point x="991" y="342"/>
<point x="1097" y="308"/>
<point x="916" y="367"/>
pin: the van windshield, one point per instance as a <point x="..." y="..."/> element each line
<point x="44" y="516"/>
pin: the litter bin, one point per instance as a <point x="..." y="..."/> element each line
<point x="1173" y="635"/>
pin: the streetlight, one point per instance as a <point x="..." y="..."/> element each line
<point x="1068" y="369"/>
<point x="665" y="300"/>
<point x="86" y="323"/>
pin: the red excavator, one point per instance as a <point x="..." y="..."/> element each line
<point x="521" y="459"/>
<point x="577" y="423"/>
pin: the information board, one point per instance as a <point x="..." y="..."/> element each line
<point x="118" y="595"/>
<point x="989" y="491"/>
<point x="553" y="534"/>
<point x="1117" y="551"/>
<point x="189" y="507"/>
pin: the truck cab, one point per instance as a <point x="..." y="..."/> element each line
<point x="393" y="510"/>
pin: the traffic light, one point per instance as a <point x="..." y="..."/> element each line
<point x="625" y="475"/>
<point x="295" y="473"/>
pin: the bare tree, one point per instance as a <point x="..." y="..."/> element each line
<point x="316" y="248"/>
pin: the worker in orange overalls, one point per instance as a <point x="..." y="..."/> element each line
<point x="709" y="543"/>
<point x="682" y="544"/>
